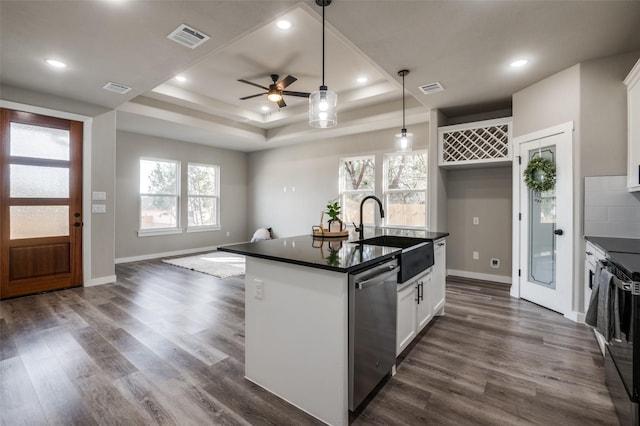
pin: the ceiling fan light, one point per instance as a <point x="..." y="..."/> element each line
<point x="404" y="141"/>
<point x="274" y="96"/>
<point x="323" y="108"/>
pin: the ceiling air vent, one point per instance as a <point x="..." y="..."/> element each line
<point x="188" y="36"/>
<point x="430" y="88"/>
<point x="116" y="87"/>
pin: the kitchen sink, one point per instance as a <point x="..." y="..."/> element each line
<point x="392" y="241"/>
<point x="416" y="255"/>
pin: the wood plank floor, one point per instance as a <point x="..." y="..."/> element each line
<point x="165" y="345"/>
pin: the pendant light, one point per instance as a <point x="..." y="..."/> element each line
<point x="323" y="103"/>
<point x="403" y="140"/>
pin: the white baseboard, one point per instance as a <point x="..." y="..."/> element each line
<point x="100" y="281"/>
<point x="165" y="254"/>
<point x="575" y="316"/>
<point x="479" y="276"/>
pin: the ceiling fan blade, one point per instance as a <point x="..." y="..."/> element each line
<point x="286" y="81"/>
<point x="253" y="84"/>
<point x="300" y="94"/>
<point x="281" y="103"/>
<point x="252" y="96"/>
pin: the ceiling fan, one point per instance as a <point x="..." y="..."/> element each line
<point x="275" y="91"/>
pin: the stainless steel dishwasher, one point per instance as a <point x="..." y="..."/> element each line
<point x="372" y="328"/>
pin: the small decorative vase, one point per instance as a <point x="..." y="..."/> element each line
<point x="335" y="225"/>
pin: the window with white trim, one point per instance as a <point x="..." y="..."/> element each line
<point x="159" y="194"/>
<point x="203" y="195"/>
<point x="357" y="180"/>
<point x="405" y="189"/>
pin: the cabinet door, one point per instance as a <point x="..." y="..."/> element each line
<point x="439" y="277"/>
<point x="406" y="316"/>
<point x="424" y="295"/>
<point x="633" y="127"/>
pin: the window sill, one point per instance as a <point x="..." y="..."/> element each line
<point x="156" y="232"/>
<point x="204" y="228"/>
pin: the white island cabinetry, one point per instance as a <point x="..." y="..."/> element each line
<point x="420" y="299"/>
<point x="296" y="329"/>
<point x="413" y="309"/>
<point x="438" y="287"/>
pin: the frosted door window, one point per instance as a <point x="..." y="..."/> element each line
<point x="39" y="142"/>
<point x="39" y="182"/>
<point x="38" y="221"/>
<point x="542" y="224"/>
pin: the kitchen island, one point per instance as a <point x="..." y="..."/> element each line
<point x="296" y="317"/>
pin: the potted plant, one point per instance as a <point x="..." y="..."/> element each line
<point x="333" y="211"/>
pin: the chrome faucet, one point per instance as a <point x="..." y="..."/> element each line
<point x="360" y="229"/>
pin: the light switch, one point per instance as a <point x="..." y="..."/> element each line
<point x="99" y="196"/>
<point x="98" y="208"/>
<point x="476" y="220"/>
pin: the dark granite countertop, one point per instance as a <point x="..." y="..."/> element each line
<point x="624" y="252"/>
<point x="339" y="255"/>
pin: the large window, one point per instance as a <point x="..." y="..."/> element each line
<point x="203" y="195"/>
<point x="159" y="194"/>
<point x="357" y="180"/>
<point x="405" y="189"/>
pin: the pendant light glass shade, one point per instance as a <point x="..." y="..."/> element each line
<point x="323" y="108"/>
<point x="323" y="104"/>
<point x="403" y="140"/>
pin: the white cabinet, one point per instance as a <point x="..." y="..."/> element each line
<point x="414" y="309"/>
<point x="406" y="316"/>
<point x="439" y="276"/>
<point x="633" y="128"/>
<point x="420" y="299"/>
<point x="592" y="255"/>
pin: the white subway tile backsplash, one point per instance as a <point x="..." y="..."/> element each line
<point x="596" y="214"/>
<point x="624" y="214"/>
<point x="609" y="209"/>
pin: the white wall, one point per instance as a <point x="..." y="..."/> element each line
<point x="313" y="170"/>
<point x="233" y="196"/>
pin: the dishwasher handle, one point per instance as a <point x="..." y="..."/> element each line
<point x="378" y="279"/>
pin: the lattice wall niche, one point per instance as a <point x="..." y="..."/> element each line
<point x="482" y="142"/>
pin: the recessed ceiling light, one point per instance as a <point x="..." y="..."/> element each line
<point x="284" y="24"/>
<point x="519" y="63"/>
<point x="362" y="80"/>
<point x="181" y="79"/>
<point x="265" y="108"/>
<point x="55" y="63"/>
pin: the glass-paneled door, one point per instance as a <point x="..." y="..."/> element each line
<point x="546" y="224"/>
<point x="41" y="194"/>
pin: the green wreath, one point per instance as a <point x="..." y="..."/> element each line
<point x="540" y="174"/>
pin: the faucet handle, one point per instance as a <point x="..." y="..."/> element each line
<point x="356" y="227"/>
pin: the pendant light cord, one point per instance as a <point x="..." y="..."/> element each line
<point x="403" y="125"/>
<point x="323" y="8"/>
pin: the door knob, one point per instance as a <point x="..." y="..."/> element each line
<point x="558" y="232"/>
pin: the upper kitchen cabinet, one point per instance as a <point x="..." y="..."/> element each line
<point x="477" y="144"/>
<point x="633" y="127"/>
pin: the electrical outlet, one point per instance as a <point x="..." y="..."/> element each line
<point x="259" y="289"/>
<point x="476" y="255"/>
<point x="228" y="234"/>
<point x="476" y="220"/>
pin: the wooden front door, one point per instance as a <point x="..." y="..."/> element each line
<point x="41" y="203"/>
